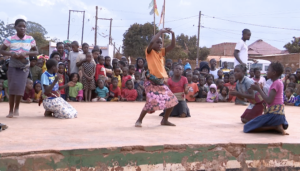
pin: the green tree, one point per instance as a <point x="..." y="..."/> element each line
<point x="32" y="27"/>
<point x="293" y="46"/>
<point x="136" y="39"/>
<point x="177" y="53"/>
<point x="204" y="52"/>
<point x="189" y="44"/>
<point x="5" y="31"/>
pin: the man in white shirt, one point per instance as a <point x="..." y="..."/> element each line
<point x="213" y="70"/>
<point x="241" y="49"/>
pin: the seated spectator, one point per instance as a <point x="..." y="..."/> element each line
<point x="114" y="91"/>
<point x="29" y="92"/>
<point x="2" y="93"/>
<point x="139" y="86"/>
<point x="117" y="72"/>
<point x="226" y="78"/>
<point x="76" y="92"/>
<point x="101" y="91"/>
<point x="178" y="86"/>
<point x="212" y="95"/>
<point x="37" y="86"/>
<point x="129" y="93"/>
<point x="36" y="72"/>
<point x="125" y="77"/>
<point x="231" y="87"/>
<point x="131" y="72"/>
<point x="289" y="98"/>
<point x="202" y="94"/>
<point x="257" y="77"/>
<point x="195" y="79"/>
<point x="224" y="94"/>
<point x="192" y="88"/>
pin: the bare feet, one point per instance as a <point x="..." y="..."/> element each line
<point x="280" y="129"/>
<point x="48" y="114"/>
<point x="10" y="115"/>
<point x="183" y="115"/>
<point x="166" y="123"/>
<point x="16" y="113"/>
<point x="138" y="124"/>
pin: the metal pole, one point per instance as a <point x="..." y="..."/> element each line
<point x="154" y="18"/>
<point x="69" y="24"/>
<point x="110" y="39"/>
<point x="82" y="28"/>
<point x="198" y="42"/>
<point x="96" y="19"/>
<point x="114" y="49"/>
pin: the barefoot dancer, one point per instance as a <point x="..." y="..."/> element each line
<point x="274" y="117"/>
<point x="159" y="96"/>
<point x="21" y="47"/>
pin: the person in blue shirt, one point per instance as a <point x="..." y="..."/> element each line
<point x="52" y="102"/>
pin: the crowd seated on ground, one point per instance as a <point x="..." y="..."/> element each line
<point x="103" y="79"/>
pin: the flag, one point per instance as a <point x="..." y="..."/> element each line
<point x="162" y="15"/>
<point x="154" y="7"/>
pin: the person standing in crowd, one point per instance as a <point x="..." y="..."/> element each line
<point x="72" y="68"/>
<point x="241" y="49"/>
<point x="21" y="47"/>
<point x="36" y="72"/>
<point x="213" y="70"/>
<point x="225" y="68"/>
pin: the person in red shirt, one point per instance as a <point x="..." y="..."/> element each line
<point x="114" y="90"/>
<point x="29" y="92"/>
<point x="231" y="86"/>
<point x="129" y="93"/>
<point x="125" y="77"/>
<point x="100" y="69"/>
<point x="63" y="79"/>
<point x="192" y="87"/>
<point x="178" y="84"/>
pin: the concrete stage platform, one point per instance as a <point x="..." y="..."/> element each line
<point x="103" y="137"/>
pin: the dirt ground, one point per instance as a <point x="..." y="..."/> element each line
<point x="107" y="124"/>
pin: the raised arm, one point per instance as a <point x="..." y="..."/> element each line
<point x="170" y="47"/>
<point x="156" y="37"/>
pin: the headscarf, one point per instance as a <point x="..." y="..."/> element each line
<point x="187" y="66"/>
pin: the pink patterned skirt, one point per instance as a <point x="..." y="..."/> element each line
<point x="158" y="97"/>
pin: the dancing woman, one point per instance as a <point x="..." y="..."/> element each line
<point x="158" y="95"/>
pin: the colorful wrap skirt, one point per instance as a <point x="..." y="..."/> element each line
<point x="253" y="111"/>
<point x="273" y="116"/>
<point x="158" y="97"/>
<point x="60" y="108"/>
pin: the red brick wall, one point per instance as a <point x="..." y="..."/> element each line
<point x="223" y="49"/>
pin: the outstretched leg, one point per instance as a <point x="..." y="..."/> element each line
<point x="165" y="121"/>
<point x="11" y="106"/>
<point x="17" y="104"/>
<point x="278" y="128"/>
<point x="140" y="119"/>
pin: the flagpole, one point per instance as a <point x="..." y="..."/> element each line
<point x="154" y="17"/>
<point x="163" y="36"/>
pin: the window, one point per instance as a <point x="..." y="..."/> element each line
<point x="266" y="67"/>
<point x="260" y="66"/>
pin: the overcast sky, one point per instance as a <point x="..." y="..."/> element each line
<point x="181" y="16"/>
